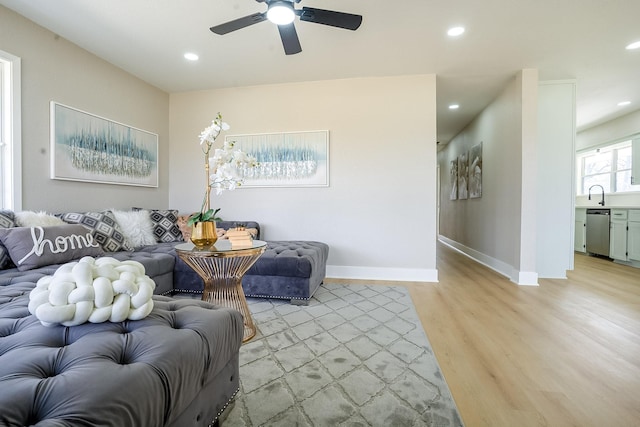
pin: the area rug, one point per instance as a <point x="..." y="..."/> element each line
<point x="356" y="356"/>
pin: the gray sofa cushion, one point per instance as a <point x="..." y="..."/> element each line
<point x="159" y="263"/>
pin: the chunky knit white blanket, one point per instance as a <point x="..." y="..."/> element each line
<point x="93" y="290"/>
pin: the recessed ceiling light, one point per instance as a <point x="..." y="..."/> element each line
<point x="454" y="107"/>
<point x="634" y="45"/>
<point x="623" y="103"/>
<point x="191" y="56"/>
<point x="455" y="31"/>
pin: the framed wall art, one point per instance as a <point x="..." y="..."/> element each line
<point x="475" y="171"/>
<point x="463" y="176"/>
<point x="453" y="179"/>
<point x="89" y="148"/>
<point x="287" y="159"/>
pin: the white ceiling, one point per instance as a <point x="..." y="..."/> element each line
<point x="564" y="39"/>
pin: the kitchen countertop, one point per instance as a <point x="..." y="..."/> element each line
<point x="607" y="207"/>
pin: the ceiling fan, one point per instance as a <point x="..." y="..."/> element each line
<point x="282" y="13"/>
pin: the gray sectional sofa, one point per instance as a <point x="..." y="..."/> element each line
<point x="176" y="367"/>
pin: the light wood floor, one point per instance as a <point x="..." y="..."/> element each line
<point x="565" y="353"/>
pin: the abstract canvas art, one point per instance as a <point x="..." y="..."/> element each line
<point x="86" y="147"/>
<point x="288" y="159"/>
<point x="475" y="171"/>
<point x="463" y="176"/>
<point x="453" y="177"/>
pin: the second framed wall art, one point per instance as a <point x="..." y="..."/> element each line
<point x="287" y="159"/>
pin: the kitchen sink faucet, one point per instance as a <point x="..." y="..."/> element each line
<point x="601" y="202"/>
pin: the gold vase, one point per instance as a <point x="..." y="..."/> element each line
<point x="203" y="234"/>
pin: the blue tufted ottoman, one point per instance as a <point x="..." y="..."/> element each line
<point x="288" y="270"/>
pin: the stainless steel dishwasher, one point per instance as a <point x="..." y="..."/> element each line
<point x="598" y="231"/>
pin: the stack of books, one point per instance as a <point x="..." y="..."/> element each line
<point x="239" y="237"/>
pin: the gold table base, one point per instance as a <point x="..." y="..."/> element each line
<point x="222" y="273"/>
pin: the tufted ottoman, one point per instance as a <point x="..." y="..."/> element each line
<point x="289" y="270"/>
<point x="177" y="367"/>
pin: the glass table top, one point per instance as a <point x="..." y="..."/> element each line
<point x="223" y="245"/>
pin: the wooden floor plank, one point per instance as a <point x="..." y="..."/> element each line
<point x="565" y="353"/>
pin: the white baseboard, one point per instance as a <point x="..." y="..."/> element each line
<point x="378" y="273"/>
<point x="528" y="278"/>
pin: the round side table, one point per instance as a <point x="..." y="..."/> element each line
<point x="221" y="268"/>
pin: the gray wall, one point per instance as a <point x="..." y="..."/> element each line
<point x="54" y="69"/>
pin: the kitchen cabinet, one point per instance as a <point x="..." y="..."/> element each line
<point x="633" y="235"/>
<point x="580" y="238"/>
<point x="618" y="235"/>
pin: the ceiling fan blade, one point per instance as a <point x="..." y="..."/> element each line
<point x="290" y="40"/>
<point x="329" y="17"/>
<point x="239" y="23"/>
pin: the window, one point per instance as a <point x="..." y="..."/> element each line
<point x="10" y="132"/>
<point x="608" y="166"/>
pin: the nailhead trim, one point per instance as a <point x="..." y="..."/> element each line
<point x="224" y="407"/>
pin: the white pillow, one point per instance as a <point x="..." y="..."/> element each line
<point x="37" y="219"/>
<point x="136" y="227"/>
<point x="93" y="290"/>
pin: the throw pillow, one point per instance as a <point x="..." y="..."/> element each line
<point x="37" y="219"/>
<point x="7" y="220"/>
<point x="165" y="225"/>
<point x="93" y="290"/>
<point x="32" y="247"/>
<point x="136" y="227"/>
<point x="104" y="228"/>
<point x="184" y="228"/>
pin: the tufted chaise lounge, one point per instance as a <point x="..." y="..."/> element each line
<point x="292" y="270"/>
<point x="288" y="269"/>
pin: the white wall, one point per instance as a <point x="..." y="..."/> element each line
<point x="610" y="131"/>
<point x="54" y="69"/>
<point x="556" y="178"/>
<point x="377" y="215"/>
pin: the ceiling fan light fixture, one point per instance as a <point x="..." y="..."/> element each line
<point x="634" y="45"/>
<point x="281" y="13"/>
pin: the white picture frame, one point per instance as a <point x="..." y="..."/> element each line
<point x="286" y="159"/>
<point x="89" y="148"/>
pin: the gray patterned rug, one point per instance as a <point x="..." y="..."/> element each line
<point x="356" y="356"/>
